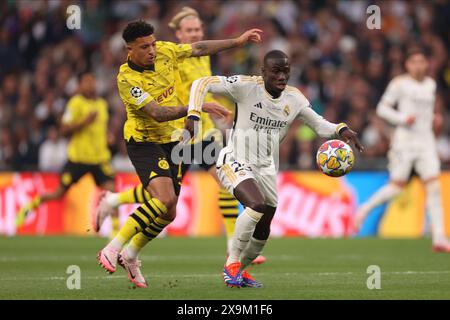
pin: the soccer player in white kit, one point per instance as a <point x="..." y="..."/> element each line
<point x="247" y="166"/>
<point x="413" y="144"/>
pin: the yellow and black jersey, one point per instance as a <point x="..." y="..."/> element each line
<point x="192" y="69"/>
<point x="138" y="86"/>
<point x="89" y="144"/>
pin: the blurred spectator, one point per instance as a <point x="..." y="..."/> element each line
<point x="53" y="151"/>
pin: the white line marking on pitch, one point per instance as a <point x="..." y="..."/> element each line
<point x="214" y="275"/>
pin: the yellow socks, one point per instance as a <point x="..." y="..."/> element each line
<point x="139" y="220"/>
<point x="229" y="209"/>
<point x="135" y="195"/>
<point x="147" y="235"/>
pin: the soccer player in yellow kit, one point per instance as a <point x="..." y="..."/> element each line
<point x="148" y="86"/>
<point x="188" y="29"/>
<point x="86" y="121"/>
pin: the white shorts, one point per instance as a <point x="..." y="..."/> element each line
<point x="425" y="163"/>
<point x="231" y="173"/>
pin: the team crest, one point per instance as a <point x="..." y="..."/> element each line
<point x="163" y="164"/>
<point x="287" y="110"/>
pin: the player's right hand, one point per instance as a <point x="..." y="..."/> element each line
<point x="410" y="120"/>
<point x="252" y="35"/>
<point x="216" y="109"/>
<point x="90" y="118"/>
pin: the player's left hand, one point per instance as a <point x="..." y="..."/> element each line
<point x="216" y="109"/>
<point x="252" y="35"/>
<point x="350" y="136"/>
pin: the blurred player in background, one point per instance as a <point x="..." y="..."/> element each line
<point x="247" y="166"/>
<point x="413" y="144"/>
<point x="188" y="29"/>
<point x="85" y="120"/>
<point x="148" y="86"/>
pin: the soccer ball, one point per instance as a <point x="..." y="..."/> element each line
<point x="335" y="158"/>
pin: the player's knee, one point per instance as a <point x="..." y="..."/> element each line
<point x="398" y="185"/>
<point x="168" y="200"/>
<point x="257" y="205"/>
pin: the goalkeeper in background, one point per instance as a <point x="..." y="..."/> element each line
<point x="85" y="120"/>
<point x="188" y="29"/>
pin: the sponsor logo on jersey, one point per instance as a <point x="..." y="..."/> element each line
<point x="165" y="94"/>
<point x="268" y="122"/>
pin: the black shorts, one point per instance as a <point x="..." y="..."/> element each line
<point x="73" y="171"/>
<point x="206" y="159"/>
<point x="153" y="160"/>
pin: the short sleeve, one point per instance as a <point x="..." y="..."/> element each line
<point x="131" y="92"/>
<point x="180" y="51"/>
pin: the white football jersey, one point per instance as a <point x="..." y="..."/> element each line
<point x="413" y="98"/>
<point x="261" y="122"/>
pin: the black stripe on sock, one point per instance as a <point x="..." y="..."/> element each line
<point x="143" y="194"/>
<point x="228" y="207"/>
<point x="149" y="206"/>
<point x="148" y="234"/>
<point x="135" y="195"/>
<point x="230" y="215"/>
<point x="154" y="229"/>
<point x="141" y="210"/>
<point x="139" y="221"/>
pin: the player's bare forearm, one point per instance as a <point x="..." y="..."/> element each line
<point x="162" y="114"/>
<point x="69" y="129"/>
<point x="208" y="47"/>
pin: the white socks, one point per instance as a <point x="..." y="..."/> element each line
<point x="434" y="206"/>
<point x="245" y="226"/>
<point x="386" y="193"/>
<point x="253" y="249"/>
<point x="112" y="199"/>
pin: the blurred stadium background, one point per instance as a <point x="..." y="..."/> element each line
<point x="340" y="65"/>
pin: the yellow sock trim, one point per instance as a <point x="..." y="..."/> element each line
<point x="150" y="233"/>
<point x="115" y="225"/>
<point x="228" y="206"/>
<point x="127" y="196"/>
<point x="36" y="202"/>
<point x="128" y="230"/>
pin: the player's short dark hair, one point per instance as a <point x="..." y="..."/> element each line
<point x="137" y="29"/>
<point x="415" y="50"/>
<point x="275" y="54"/>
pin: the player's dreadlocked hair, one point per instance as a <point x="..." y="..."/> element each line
<point x="137" y="29"/>
<point x="275" y="54"/>
<point x="185" y="12"/>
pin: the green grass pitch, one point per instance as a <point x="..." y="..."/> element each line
<point x="190" y="268"/>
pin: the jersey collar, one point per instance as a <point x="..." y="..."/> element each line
<point x="137" y="68"/>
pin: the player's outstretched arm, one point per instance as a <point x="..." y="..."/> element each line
<point x="327" y="129"/>
<point x="162" y="114"/>
<point x="208" y="47"/>
<point x="69" y="128"/>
